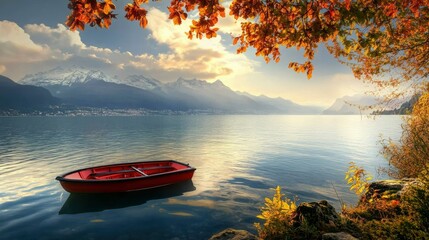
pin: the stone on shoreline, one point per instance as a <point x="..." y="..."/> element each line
<point x="338" y="236"/>
<point x="233" y="234"/>
<point x="388" y="189"/>
<point x="320" y="215"/>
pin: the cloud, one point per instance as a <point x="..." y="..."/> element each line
<point x="11" y="32"/>
<point x="228" y="24"/>
<point x="57" y="38"/>
<point x="16" y="45"/>
<point x="204" y="55"/>
<point x="37" y="47"/>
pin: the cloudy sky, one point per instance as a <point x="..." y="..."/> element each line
<point x="33" y="38"/>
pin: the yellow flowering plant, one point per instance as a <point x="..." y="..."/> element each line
<point x="276" y="213"/>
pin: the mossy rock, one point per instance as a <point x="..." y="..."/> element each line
<point x="318" y="215"/>
<point x="233" y="234"/>
<point x="338" y="236"/>
<point x="387" y="190"/>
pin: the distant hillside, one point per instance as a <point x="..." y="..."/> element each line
<point x="405" y="108"/>
<point x="349" y="105"/>
<point x="285" y="106"/>
<point x="198" y="94"/>
<point x="17" y="96"/>
<point x="98" y="93"/>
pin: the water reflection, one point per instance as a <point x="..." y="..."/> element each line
<point x="248" y="182"/>
<point x="82" y="203"/>
<point x="239" y="158"/>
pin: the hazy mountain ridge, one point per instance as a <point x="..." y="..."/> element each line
<point x="366" y="104"/>
<point x="351" y="105"/>
<point x="199" y="94"/>
<point x="405" y="107"/>
<point x="284" y="105"/>
<point x="99" y="93"/>
<point x="83" y="87"/>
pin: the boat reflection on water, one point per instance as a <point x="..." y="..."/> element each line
<point x="82" y="203"/>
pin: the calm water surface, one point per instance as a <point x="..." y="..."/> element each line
<point x="238" y="160"/>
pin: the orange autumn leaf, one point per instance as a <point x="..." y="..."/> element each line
<point x="235" y="40"/>
<point x="176" y="18"/>
<point x="136" y="13"/>
<point x="90" y="12"/>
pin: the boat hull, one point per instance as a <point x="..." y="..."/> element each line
<point x="124" y="184"/>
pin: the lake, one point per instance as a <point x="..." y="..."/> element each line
<point x="238" y="159"/>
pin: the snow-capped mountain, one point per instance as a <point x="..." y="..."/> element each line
<point x="92" y="88"/>
<point x="195" y="84"/>
<point x="65" y="77"/>
<point x="143" y="82"/>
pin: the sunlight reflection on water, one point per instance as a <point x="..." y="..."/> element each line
<point x="238" y="159"/>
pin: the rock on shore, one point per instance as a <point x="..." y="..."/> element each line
<point x="388" y="189"/>
<point x="233" y="234"/>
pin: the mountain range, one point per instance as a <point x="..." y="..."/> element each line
<point x="79" y="87"/>
<point x="91" y="88"/>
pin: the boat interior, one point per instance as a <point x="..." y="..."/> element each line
<point x="126" y="170"/>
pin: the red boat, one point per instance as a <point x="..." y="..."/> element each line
<point x="125" y="177"/>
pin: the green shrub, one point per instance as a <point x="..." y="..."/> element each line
<point x="400" y="227"/>
<point x="417" y="200"/>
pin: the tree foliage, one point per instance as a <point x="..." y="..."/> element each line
<point x="385" y="42"/>
<point x="417" y="200"/>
